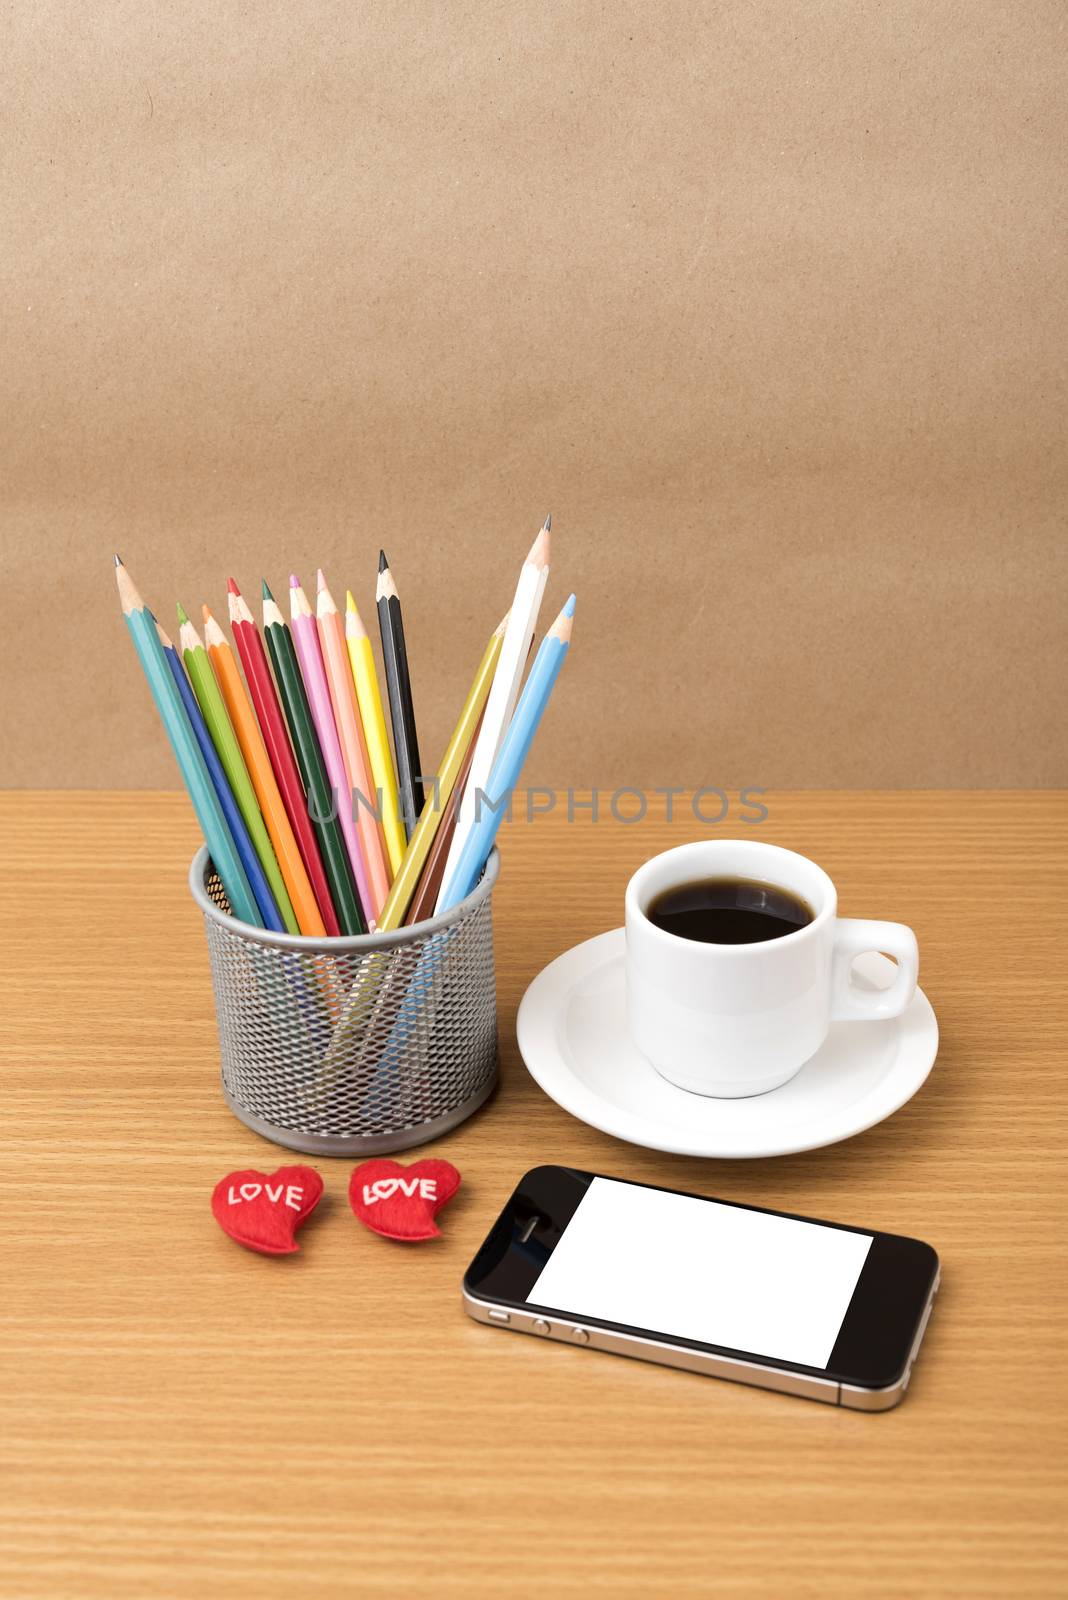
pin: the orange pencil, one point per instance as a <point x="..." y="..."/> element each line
<point x="353" y="749"/>
<point x="260" y="771"/>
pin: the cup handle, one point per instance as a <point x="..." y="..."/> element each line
<point x="852" y="937"/>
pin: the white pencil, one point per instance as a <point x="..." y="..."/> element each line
<point x="522" y="621"/>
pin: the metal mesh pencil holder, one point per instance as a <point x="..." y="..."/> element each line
<point x="354" y="1046"/>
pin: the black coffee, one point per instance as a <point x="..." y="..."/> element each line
<point x="729" y="911"/>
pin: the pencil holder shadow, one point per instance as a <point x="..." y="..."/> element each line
<point x="354" y="1046"/>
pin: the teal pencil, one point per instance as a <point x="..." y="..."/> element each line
<point x="186" y="750"/>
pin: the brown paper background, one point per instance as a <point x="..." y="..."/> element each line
<point x="766" y="302"/>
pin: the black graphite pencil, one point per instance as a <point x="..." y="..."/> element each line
<point x="399" y="686"/>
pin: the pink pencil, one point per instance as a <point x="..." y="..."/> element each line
<point x="350" y="733"/>
<point x="309" y="654"/>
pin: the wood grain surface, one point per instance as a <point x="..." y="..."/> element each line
<point x="183" y="1418"/>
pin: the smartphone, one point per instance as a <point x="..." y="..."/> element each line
<point x="809" y="1308"/>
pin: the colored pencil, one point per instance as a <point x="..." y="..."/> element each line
<point x="369" y="700"/>
<point x="264" y="782"/>
<point x="407" y="879"/>
<point x="399" y="688"/>
<point x="425" y="899"/>
<point x="522" y="622"/>
<point x="309" y="756"/>
<point x="353" y="748"/>
<point x="183" y="742"/>
<point x="272" y="726"/>
<point x="234" y="820"/>
<point x="310" y="656"/>
<point x="209" y="696"/>
<point x="428" y="888"/>
<point x="509" y="763"/>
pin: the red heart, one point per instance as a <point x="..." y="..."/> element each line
<point x="402" y="1202"/>
<point x="264" y="1212"/>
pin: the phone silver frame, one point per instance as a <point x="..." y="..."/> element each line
<point x="687" y="1358"/>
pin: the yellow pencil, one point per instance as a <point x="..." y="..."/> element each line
<point x="407" y="879"/>
<point x="369" y="700"/>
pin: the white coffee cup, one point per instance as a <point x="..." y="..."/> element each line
<point x="739" y="1019"/>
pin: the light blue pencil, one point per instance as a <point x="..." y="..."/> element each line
<point x="505" y="772"/>
<point x="186" y="750"/>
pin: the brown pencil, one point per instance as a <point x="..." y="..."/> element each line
<point x="425" y="898"/>
<point x="426" y="893"/>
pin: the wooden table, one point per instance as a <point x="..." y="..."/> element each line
<point x="183" y="1418"/>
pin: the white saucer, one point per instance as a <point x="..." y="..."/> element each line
<point x="572" y="1030"/>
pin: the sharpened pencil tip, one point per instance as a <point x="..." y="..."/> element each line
<point x="383" y="564"/>
<point x="547" y="524"/>
<point x="118" y="559"/>
<point x="294" y="581"/>
<point x="561" y="628"/>
<point x="205" y="612"/>
<point x="182" y="618"/>
<point x="350" y="604"/>
<point x="320" y="581"/>
<point x="267" y="595"/>
<point x="540" y="552"/>
<point x="232" y="587"/>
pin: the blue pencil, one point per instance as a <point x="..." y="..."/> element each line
<point x="510" y="758"/>
<point x="235" y="821"/>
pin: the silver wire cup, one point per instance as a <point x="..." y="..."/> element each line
<point x="354" y="1046"/>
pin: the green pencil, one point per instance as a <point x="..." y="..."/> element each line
<point x="212" y="704"/>
<point x="294" y="700"/>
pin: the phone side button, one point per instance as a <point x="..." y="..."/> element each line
<point x="539" y="1325"/>
<point x="498" y="1316"/>
<point x="580" y="1336"/>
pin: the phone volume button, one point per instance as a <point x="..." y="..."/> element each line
<point x="539" y="1325"/>
<point x="580" y="1336"/>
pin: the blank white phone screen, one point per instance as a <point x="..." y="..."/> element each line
<point x="703" y="1271"/>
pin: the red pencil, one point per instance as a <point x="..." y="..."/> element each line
<point x="272" y="726"/>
